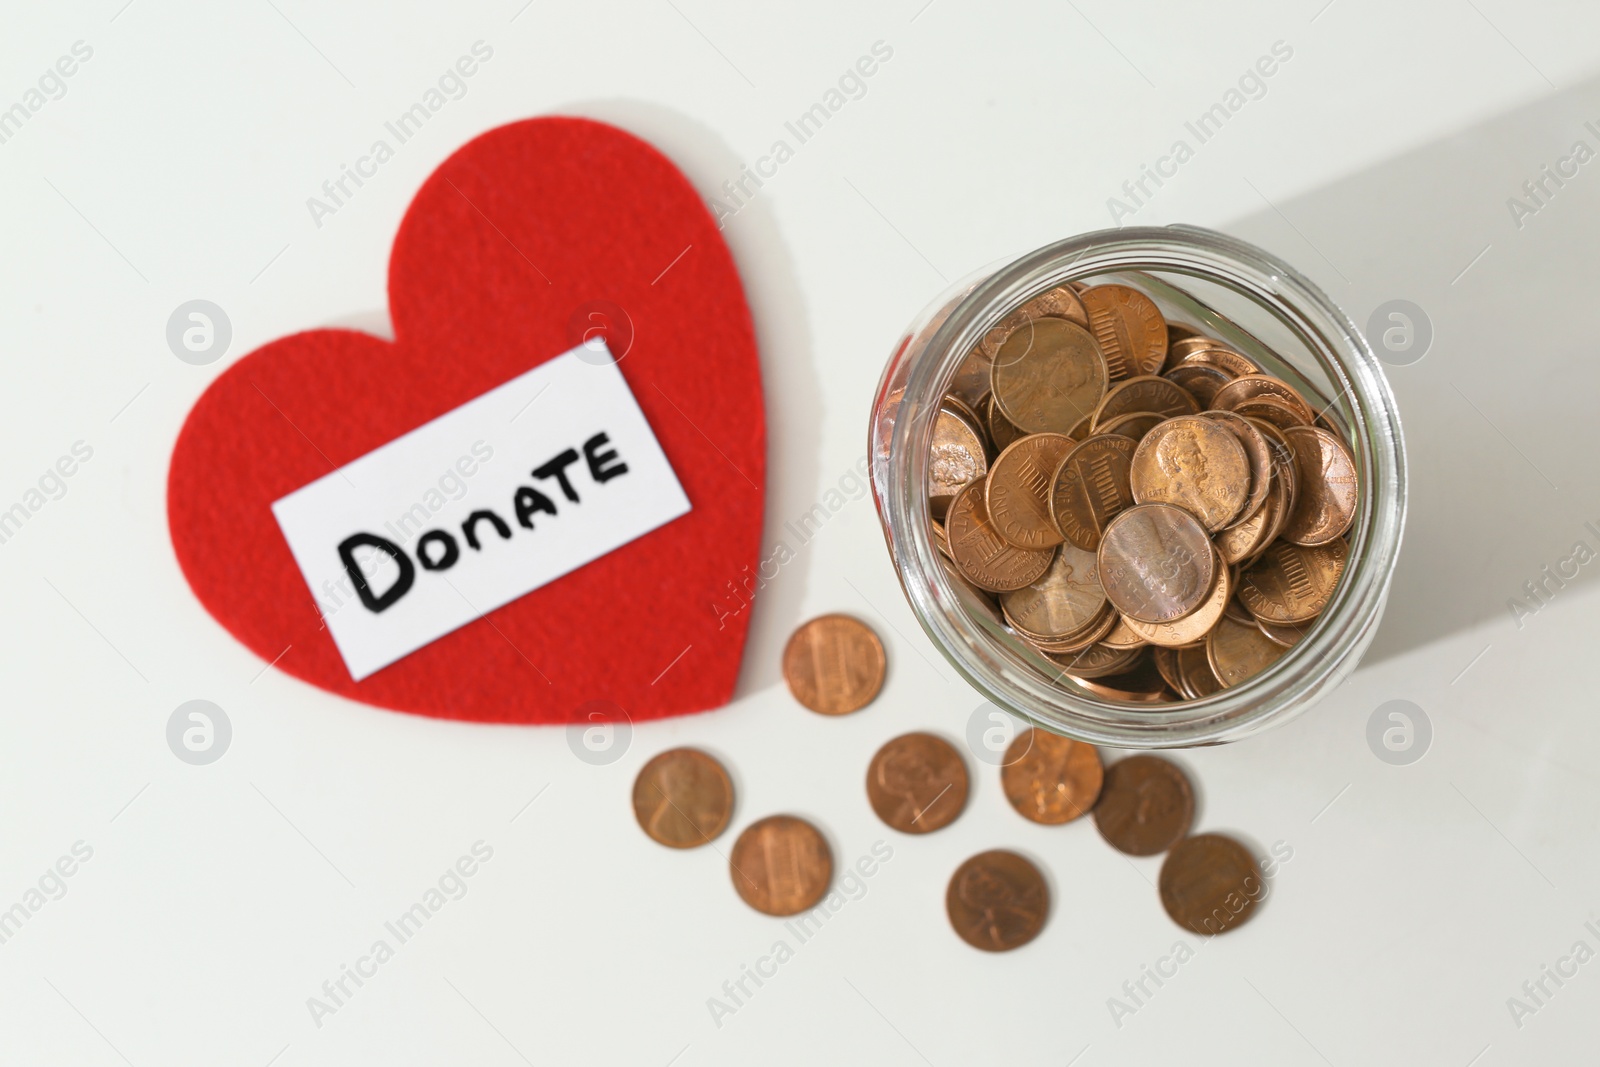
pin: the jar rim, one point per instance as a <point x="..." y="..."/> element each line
<point x="1319" y="661"/>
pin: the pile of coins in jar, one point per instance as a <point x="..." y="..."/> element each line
<point x="1141" y="504"/>
<point x="918" y="783"/>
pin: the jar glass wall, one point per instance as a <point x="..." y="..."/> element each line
<point x="1231" y="291"/>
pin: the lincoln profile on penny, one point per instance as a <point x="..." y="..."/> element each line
<point x="438" y="550"/>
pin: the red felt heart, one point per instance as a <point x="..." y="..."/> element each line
<point x="505" y="242"/>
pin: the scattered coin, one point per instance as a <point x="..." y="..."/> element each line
<point x="1145" y="807"/>
<point x="985" y="558"/>
<point x="917" y="783"/>
<point x="781" y="865"/>
<point x="1050" y="779"/>
<point x="997" y="901"/>
<point x="834" y="665"/>
<point x="683" y="798"/>
<point x="1210" y="884"/>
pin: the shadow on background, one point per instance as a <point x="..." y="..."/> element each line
<point x="1502" y="414"/>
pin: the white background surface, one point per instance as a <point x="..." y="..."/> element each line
<point x="219" y="898"/>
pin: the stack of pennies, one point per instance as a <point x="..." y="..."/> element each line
<point x="1138" y="503"/>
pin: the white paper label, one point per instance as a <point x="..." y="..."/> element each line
<point x="511" y="490"/>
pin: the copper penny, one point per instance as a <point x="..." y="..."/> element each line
<point x="1326" y="474"/>
<point x="1050" y="779"/>
<point x="1237" y="651"/>
<point x="1256" y="386"/>
<point x="1140" y="684"/>
<point x="834" y="664"/>
<point x="1064" y="600"/>
<point x="1098" y="660"/>
<point x="1210" y="884"/>
<point x="1091" y="633"/>
<point x="1193" y="627"/>
<point x="1135" y="424"/>
<point x="1001" y="429"/>
<point x="917" y="783"/>
<point x="1145" y="807"/>
<point x="1048" y="375"/>
<point x="978" y="600"/>
<point x="1257" y="450"/>
<point x="1194" y="671"/>
<point x="1090" y="486"/>
<point x="1291" y="583"/>
<point x="1122" y="636"/>
<point x="956" y="456"/>
<point x="1129" y="329"/>
<point x="781" y="865"/>
<point x="1017" y="491"/>
<point x="1225" y="359"/>
<point x="971" y="381"/>
<point x="1061" y="302"/>
<point x="1286" y="634"/>
<point x="1280" y="413"/>
<point x="1199" y="380"/>
<point x="1195" y="463"/>
<point x="1145" y="394"/>
<point x="682" y="798"/>
<point x="997" y="901"/>
<point x="1166" y="661"/>
<point x="1156" y="563"/>
<point x="985" y="558"/>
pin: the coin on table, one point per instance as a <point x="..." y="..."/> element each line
<point x="1210" y="884"/>
<point x="1195" y="463"/>
<point x="1002" y="431"/>
<point x="1048" y="375"/>
<point x="1144" y="394"/>
<point x="956" y="457"/>
<point x="1050" y="779"/>
<point x="781" y="865"/>
<point x="1145" y="807"/>
<point x="985" y="558"/>
<point x="834" y="664"/>
<point x="1291" y="583"/>
<point x="1129" y="329"/>
<point x="1326" y="473"/>
<point x="1237" y="651"/>
<point x="1090" y="486"/>
<point x="682" y="798"/>
<point x="1193" y="627"/>
<point x="1062" y="601"/>
<point x="997" y="901"/>
<point x="917" y="783"/>
<point x="1156" y="563"/>
<point x="1017" y="491"/>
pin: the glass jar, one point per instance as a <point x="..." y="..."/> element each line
<point x="1232" y="291"/>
